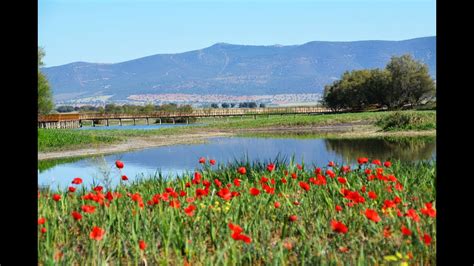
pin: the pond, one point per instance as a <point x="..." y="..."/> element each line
<point x="179" y="159"/>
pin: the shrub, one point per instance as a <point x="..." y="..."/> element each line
<point x="407" y="121"/>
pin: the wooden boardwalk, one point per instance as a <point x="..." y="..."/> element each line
<point x="75" y="120"/>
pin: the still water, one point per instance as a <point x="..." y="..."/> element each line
<point x="179" y="159"/>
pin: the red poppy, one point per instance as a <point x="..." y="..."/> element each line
<point x="124" y="178"/>
<point x="225" y="194"/>
<point x="88" y="209"/>
<point x="142" y="244"/>
<point x="237" y="182"/>
<point x="43" y="230"/>
<point x="331" y="164"/>
<point x="283" y="180"/>
<point x="182" y="193"/>
<point x="217" y="182"/>
<point x="98" y="188"/>
<point x="362" y="160"/>
<point x="187" y="184"/>
<point x="405" y="231"/>
<point x="77" y="216"/>
<point x="263" y="180"/>
<point x="330" y="173"/>
<point x="242" y="170"/>
<point x="72" y="189"/>
<point x="345" y="168"/>
<point x="242" y="237"/>
<point x="338" y="227"/>
<point x="206" y="183"/>
<point x="338" y="208"/>
<point x="97" y="233"/>
<point x="363" y="189"/>
<point x="413" y="215"/>
<point x="372" y="195"/>
<point x="293" y="175"/>
<point x="427" y="239"/>
<point x="372" y="215"/>
<point x="377" y="162"/>
<point x="56" y="197"/>
<point x="235" y="228"/>
<point x="368" y="171"/>
<point x="277" y="204"/>
<point x="386" y="232"/>
<point x="202" y="160"/>
<point x="270" y="167"/>
<point x="175" y="204"/>
<point x="119" y="164"/>
<point x="344" y="249"/>
<point x="341" y="180"/>
<point x="304" y="185"/>
<point x="428" y="210"/>
<point x="387" y="164"/>
<point x="190" y="210"/>
<point x="293" y="218"/>
<point x="398" y="186"/>
<point x="299" y="166"/>
<point x="197" y="178"/>
<point x="77" y="181"/>
<point x="254" y="191"/>
<point x="212" y="162"/>
<point x="41" y="220"/>
<point x="288" y="245"/>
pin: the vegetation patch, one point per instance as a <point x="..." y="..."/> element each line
<point x="408" y="121"/>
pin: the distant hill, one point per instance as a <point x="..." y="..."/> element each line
<point x="233" y="69"/>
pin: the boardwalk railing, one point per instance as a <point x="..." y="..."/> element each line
<point x="54" y="120"/>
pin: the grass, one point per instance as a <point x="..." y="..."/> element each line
<point x="409" y="120"/>
<point x="174" y="238"/>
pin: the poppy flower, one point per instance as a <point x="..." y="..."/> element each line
<point x="377" y="162"/>
<point x="405" y="231"/>
<point x="119" y="164"/>
<point x="293" y="218"/>
<point x="242" y="237"/>
<point x="190" y="210"/>
<point x="427" y="239"/>
<point x="387" y="164"/>
<point x="428" y="210"/>
<point x="398" y="186"/>
<point x="283" y="180"/>
<point x="235" y="228"/>
<point x="88" y="209"/>
<point x="304" y="185"/>
<point x="142" y="244"/>
<point x="344" y="249"/>
<point x="212" y="162"/>
<point x="56" y="197"/>
<point x="413" y="215"/>
<point x="338" y="227"/>
<point x="77" y="181"/>
<point x="197" y="178"/>
<point x="293" y="175"/>
<point x="254" y="191"/>
<point x="270" y="167"/>
<point x="288" y="245"/>
<point x="338" y="208"/>
<point x="217" y="182"/>
<point x="225" y="194"/>
<point x="72" y="189"/>
<point x="263" y="180"/>
<point x="372" y="195"/>
<point x="77" y="216"/>
<point x="331" y="164"/>
<point x="368" y="171"/>
<point x="277" y="204"/>
<point x="237" y="182"/>
<point x="362" y="160"/>
<point x="345" y="169"/>
<point x="182" y="193"/>
<point x="299" y="166"/>
<point x="175" y="204"/>
<point x="386" y="232"/>
<point x="242" y="170"/>
<point x="330" y="173"/>
<point x="124" y="178"/>
<point x="202" y="160"/>
<point x="97" y="233"/>
<point x="341" y="180"/>
<point x="43" y="230"/>
<point x="372" y="215"/>
<point x="98" y="188"/>
<point x="41" y="220"/>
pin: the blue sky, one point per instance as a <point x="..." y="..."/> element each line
<point x="111" y="31"/>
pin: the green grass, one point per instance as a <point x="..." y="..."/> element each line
<point x="173" y="238"/>
<point x="408" y="120"/>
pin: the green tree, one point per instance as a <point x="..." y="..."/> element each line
<point x="45" y="97"/>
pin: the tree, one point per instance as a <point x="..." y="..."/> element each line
<point x="262" y="105"/>
<point x="225" y="105"/>
<point x="411" y="82"/>
<point x="252" y="105"/>
<point x="214" y="105"/>
<point x="232" y="105"/>
<point x="45" y="97"/>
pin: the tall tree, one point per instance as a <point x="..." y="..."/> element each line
<point x="45" y="97"/>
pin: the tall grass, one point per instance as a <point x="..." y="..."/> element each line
<point x="410" y="120"/>
<point x="174" y="238"/>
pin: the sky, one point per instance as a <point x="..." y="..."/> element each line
<point x="112" y="31"/>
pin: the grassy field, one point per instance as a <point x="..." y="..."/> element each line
<point x="280" y="215"/>
<point x="67" y="139"/>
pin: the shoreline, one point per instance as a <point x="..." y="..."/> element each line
<point x="342" y="130"/>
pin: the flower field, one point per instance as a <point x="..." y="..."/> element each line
<point x="247" y="214"/>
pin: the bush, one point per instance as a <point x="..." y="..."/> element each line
<point x="408" y="121"/>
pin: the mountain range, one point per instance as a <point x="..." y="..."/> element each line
<point x="229" y="69"/>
